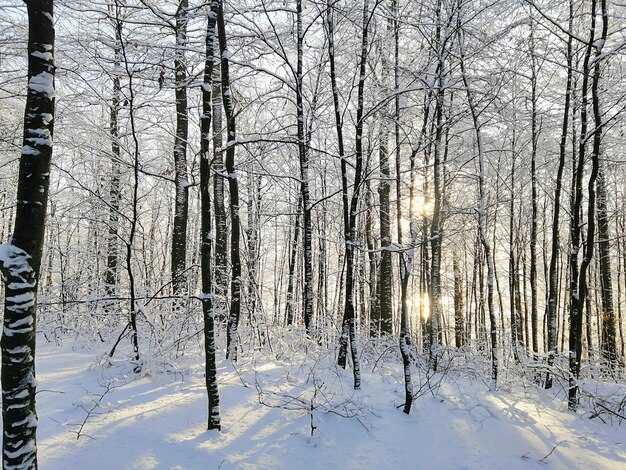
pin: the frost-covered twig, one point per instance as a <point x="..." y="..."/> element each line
<point x="108" y="387"/>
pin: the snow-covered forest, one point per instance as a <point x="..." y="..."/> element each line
<point x="313" y="234"/>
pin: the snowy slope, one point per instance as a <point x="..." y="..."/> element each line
<point x="157" y="420"/>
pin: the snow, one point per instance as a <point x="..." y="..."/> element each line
<point x="28" y="150"/>
<point x="47" y="141"/>
<point x="293" y="411"/>
<point x="25" y="449"/>
<point x="42" y="83"/>
<point x="42" y="55"/>
<point x="15" y="260"/>
<point x="46" y="118"/>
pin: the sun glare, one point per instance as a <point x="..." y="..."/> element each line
<point x="421" y="205"/>
<point x="421" y="304"/>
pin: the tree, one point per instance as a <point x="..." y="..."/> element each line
<point x="21" y="256"/>
<point x="608" y="344"/>
<point x="233" y="186"/>
<point x="482" y="213"/>
<point x="307" y="227"/>
<point x="578" y="275"/>
<point x="384" y="287"/>
<point x="553" y="281"/>
<point x="181" y="198"/>
<point x="110" y="279"/>
<point x="208" y="308"/>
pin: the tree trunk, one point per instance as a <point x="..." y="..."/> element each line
<point x="534" y="214"/>
<point x="292" y="264"/>
<point x="221" y="219"/>
<point x="578" y="278"/>
<point x="348" y="333"/>
<point x="20" y="258"/>
<point x="608" y="346"/>
<point x="208" y="310"/>
<point x="307" y="297"/>
<point x="482" y="219"/>
<point x="459" y="334"/>
<point x="181" y="199"/>
<point x="553" y="280"/>
<point x="110" y="277"/>
<point x="384" y="289"/>
<point x="233" y="187"/>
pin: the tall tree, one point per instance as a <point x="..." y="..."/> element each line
<point x="307" y="297"/>
<point x="459" y="332"/>
<point x="578" y="275"/>
<point x="442" y="36"/>
<point x="20" y="258"/>
<point x="533" y="185"/>
<point x="208" y="307"/>
<point x="181" y="199"/>
<point x="233" y="187"/>
<point x="554" y="254"/>
<point x="608" y="344"/>
<point x="221" y="217"/>
<point x="348" y="330"/>
<point x="482" y="211"/>
<point x="384" y="288"/>
<point x="110" y="278"/>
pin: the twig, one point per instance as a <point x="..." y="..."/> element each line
<point x="543" y="460"/>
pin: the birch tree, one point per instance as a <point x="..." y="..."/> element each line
<point x="206" y="255"/>
<point x="20" y="258"/>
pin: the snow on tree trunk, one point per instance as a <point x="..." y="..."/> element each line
<point x="20" y="258"/>
<point x="181" y="199"/>
<point x="233" y="186"/>
<point x="553" y="279"/>
<point x="608" y="344"/>
<point x="110" y="278"/>
<point x="307" y="297"/>
<point x="578" y="274"/>
<point x="482" y="216"/>
<point x="208" y="306"/>
<point x="220" y="300"/>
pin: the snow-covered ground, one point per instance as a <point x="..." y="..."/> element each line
<point x="301" y="413"/>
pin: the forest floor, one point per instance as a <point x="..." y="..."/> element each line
<point x="297" y="411"/>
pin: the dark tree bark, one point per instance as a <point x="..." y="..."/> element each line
<point x="553" y="279"/>
<point x="221" y="218"/>
<point x="373" y="320"/>
<point x="253" y="239"/>
<point x="579" y="283"/>
<point x="110" y="277"/>
<point x="20" y="258"/>
<point x="208" y="308"/>
<point x="443" y="34"/>
<point x="307" y="297"/>
<point x="293" y="254"/>
<point x="134" y="218"/>
<point x="181" y="199"/>
<point x="348" y="333"/>
<point x="482" y="218"/>
<point x="459" y="333"/>
<point x="384" y="283"/>
<point x="608" y="345"/>
<point x="516" y="342"/>
<point x="233" y="187"/>
<point x="534" y="212"/>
